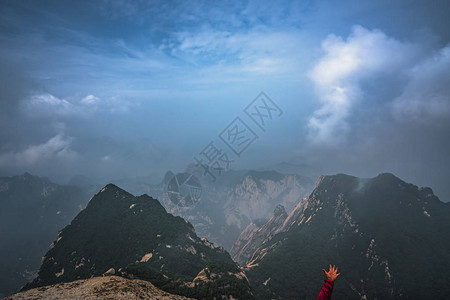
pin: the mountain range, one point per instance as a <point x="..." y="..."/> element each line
<point x="35" y="209"/>
<point x="387" y="237"/>
<point x="230" y="203"/>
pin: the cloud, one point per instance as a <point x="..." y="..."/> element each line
<point x="338" y="75"/>
<point x="90" y="100"/>
<point x="48" y="105"/>
<point x="57" y="147"/>
<point x="255" y="51"/>
<point x="427" y="94"/>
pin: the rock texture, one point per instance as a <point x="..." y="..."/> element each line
<point x="254" y="236"/>
<point x="111" y="287"/>
<point x="389" y="239"/>
<point x="257" y="195"/>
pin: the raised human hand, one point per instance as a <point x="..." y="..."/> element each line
<point x="332" y="274"/>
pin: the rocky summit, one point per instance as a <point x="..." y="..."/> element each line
<point x="135" y="237"/>
<point x="111" y="287"/>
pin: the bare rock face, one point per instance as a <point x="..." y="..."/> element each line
<point x="254" y="236"/>
<point x="111" y="287"/>
<point x="259" y="193"/>
<point x="378" y="231"/>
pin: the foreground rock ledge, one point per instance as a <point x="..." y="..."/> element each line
<point x="110" y="287"/>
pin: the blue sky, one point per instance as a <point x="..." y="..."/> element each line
<point x="113" y="89"/>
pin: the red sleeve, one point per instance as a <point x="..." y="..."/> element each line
<point x="327" y="288"/>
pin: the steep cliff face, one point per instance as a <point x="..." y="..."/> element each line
<point x="381" y="232"/>
<point x="254" y="236"/>
<point x="137" y="237"/>
<point x="257" y="195"/>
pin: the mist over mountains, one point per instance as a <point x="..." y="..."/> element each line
<point x="224" y="149"/>
<point x="228" y="205"/>
<point x="33" y="210"/>
<point x="379" y="231"/>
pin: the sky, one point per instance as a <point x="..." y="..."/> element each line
<point x="115" y="89"/>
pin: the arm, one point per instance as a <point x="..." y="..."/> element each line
<point x="327" y="288"/>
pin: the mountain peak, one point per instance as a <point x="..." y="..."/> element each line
<point x="279" y="210"/>
<point x="110" y="187"/>
<point x="169" y="175"/>
<point x="340" y="179"/>
<point x="388" y="176"/>
<point x="136" y="234"/>
<point x="27" y="175"/>
<point x="373" y="221"/>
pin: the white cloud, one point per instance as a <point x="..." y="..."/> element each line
<point x="45" y="105"/>
<point x="49" y="104"/>
<point x="338" y="74"/>
<point x="427" y="94"/>
<point x="90" y="100"/>
<point x="57" y="147"/>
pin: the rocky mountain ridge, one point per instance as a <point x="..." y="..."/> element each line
<point x="232" y="202"/>
<point x="381" y="232"/>
<point x="137" y="237"/>
<point x="256" y="234"/>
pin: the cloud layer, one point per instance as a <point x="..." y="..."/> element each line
<point x="427" y="94"/>
<point x="56" y="148"/>
<point x="338" y="75"/>
<point x="131" y="88"/>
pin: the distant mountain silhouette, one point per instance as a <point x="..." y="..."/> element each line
<point x="33" y="209"/>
